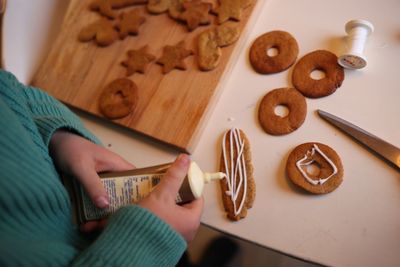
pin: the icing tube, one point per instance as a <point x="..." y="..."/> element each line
<point x="129" y="187"/>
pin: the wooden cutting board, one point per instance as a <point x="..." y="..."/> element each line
<point x="172" y="108"/>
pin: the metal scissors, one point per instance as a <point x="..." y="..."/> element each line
<point x="387" y="151"/>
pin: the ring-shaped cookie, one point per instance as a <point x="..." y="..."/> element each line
<point x="324" y="61"/>
<point x="286" y="47"/>
<point x="328" y="169"/>
<point x="275" y="124"/>
<point x="118" y="99"/>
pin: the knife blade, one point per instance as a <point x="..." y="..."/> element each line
<point x="386" y="150"/>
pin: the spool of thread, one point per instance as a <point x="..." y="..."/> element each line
<point x="358" y="32"/>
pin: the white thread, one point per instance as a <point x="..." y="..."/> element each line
<point x="309" y="155"/>
<point x="236" y="169"/>
<point x="358" y="32"/>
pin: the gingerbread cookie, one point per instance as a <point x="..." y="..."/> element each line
<point x="173" y="56"/>
<point x="130" y="22"/>
<point x="137" y="60"/>
<point x="324" y="61"/>
<point x="118" y="99"/>
<point x="101" y="31"/>
<point x="231" y="9"/>
<point x="126" y="3"/>
<point x="158" y="6"/>
<point x="238" y="189"/>
<point x="210" y="41"/>
<point x="315" y="167"/>
<point x="275" y="124"/>
<point x="176" y="9"/>
<point x="285" y="45"/>
<point x="195" y="13"/>
<point x="104" y="7"/>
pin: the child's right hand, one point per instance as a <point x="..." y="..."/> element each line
<point x="185" y="219"/>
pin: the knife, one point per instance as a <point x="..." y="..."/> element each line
<point x="387" y="151"/>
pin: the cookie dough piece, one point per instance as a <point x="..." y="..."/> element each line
<point x="327" y="173"/>
<point x="324" y="61"/>
<point x="238" y="189"/>
<point x="119" y="98"/>
<point x="275" y="124"/>
<point x="283" y="42"/>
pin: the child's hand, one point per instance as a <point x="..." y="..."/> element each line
<point x="82" y="159"/>
<point x="184" y="219"/>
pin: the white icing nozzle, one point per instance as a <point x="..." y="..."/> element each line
<point x="213" y="176"/>
<point x="358" y="31"/>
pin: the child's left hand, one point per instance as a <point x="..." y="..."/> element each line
<point x="77" y="157"/>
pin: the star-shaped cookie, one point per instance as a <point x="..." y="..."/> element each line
<point x="173" y="57"/>
<point x="196" y="13"/>
<point x="230" y="9"/>
<point x="137" y="60"/>
<point x="130" y="22"/>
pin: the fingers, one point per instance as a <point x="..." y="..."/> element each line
<point x="174" y="177"/>
<point x="90" y="180"/>
<point x="109" y="161"/>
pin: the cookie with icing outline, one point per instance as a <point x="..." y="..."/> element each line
<point x="328" y="170"/>
<point x="137" y="60"/>
<point x="236" y="149"/>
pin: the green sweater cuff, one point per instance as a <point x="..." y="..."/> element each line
<point x="134" y="237"/>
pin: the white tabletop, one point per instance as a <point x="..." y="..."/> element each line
<point x="356" y="225"/>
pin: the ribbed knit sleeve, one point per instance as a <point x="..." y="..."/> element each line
<point x="134" y="237"/>
<point x="50" y="115"/>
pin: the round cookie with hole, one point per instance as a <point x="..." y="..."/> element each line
<point x="315" y="167"/>
<point x="273" y="52"/>
<point x="317" y="74"/>
<point x="282" y="111"/>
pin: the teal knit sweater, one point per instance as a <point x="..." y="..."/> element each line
<point x="35" y="209"/>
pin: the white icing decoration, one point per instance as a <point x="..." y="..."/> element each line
<point x="309" y="156"/>
<point x="236" y="168"/>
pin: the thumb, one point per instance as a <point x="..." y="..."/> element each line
<point x="172" y="180"/>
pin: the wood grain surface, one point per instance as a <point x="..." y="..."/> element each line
<point x="172" y="108"/>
